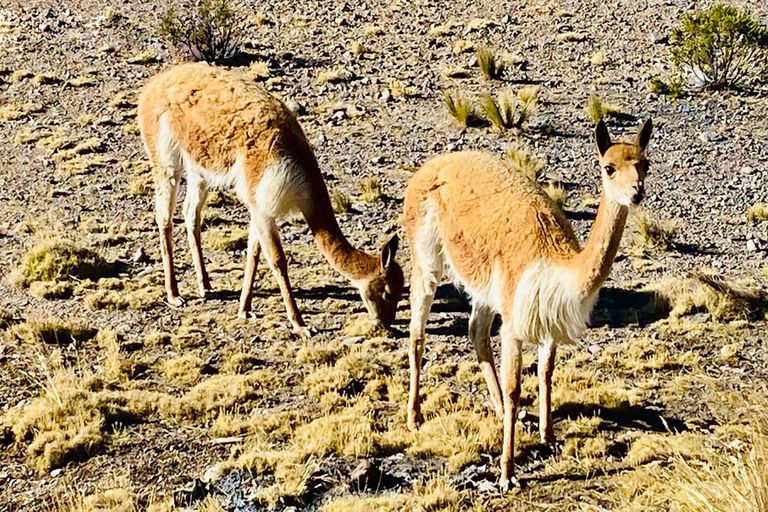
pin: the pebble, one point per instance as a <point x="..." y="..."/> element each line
<point x="56" y="472"/>
<point x="595" y="349"/>
<point x="751" y="246"/>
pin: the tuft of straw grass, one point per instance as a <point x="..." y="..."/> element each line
<point x="341" y="202"/>
<point x="57" y="259"/>
<point x="371" y="191"/>
<point x="653" y="235"/>
<point x="556" y="193"/>
<point x="522" y="159"/>
<point x="598" y="110"/>
<point x="490" y="65"/>
<point x="462" y="109"/>
<point x="758" y="212"/>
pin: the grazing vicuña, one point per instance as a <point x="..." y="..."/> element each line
<point x="226" y="132"/>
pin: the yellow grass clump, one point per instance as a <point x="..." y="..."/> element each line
<point x="57" y="259"/>
<point x="726" y="300"/>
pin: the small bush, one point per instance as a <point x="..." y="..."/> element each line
<point x="721" y="47"/>
<point x="489" y="64"/>
<point x="213" y="31"/>
<point x="462" y="109"/>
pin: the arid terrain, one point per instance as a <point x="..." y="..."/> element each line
<point x="110" y="400"/>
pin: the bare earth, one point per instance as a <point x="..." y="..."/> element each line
<point x="643" y="396"/>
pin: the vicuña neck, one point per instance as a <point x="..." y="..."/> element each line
<point x="595" y="259"/>
<point x="352" y="263"/>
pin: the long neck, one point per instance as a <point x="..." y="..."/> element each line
<point x="347" y="260"/>
<point x="596" y="258"/>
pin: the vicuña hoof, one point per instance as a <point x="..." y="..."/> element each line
<point x="245" y="315"/>
<point x="176" y="302"/>
<point x="508" y="484"/>
<point x="304" y="332"/>
<point x="415" y="419"/>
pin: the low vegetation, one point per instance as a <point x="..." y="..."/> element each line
<point x="522" y="159"/>
<point x="371" y="190"/>
<point x="598" y="110"/>
<point x="721" y="47"/>
<point x="489" y="63"/>
<point x="210" y="30"/>
<point x="758" y="212"/>
<point x="652" y="235"/>
<point x="462" y="109"/>
<point x="58" y="259"/>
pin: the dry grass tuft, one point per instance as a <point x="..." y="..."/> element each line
<point x="13" y="111"/>
<point x="522" y="159"/>
<point x="227" y="238"/>
<point x="557" y="194"/>
<point x="598" y="110"/>
<point x="652" y="235"/>
<point x="341" y="202"/>
<point x="183" y="370"/>
<point x="56" y="259"/>
<point x="461" y="436"/>
<point x="371" y="191"/>
<point x="51" y="289"/>
<point x="400" y="91"/>
<point x="462" y="109"/>
<point x="258" y="70"/>
<point x="490" y="65"/>
<point x="434" y="495"/>
<point x="758" y="212"/>
<point x="336" y="75"/>
<point x="50" y="330"/>
<point x="726" y="300"/>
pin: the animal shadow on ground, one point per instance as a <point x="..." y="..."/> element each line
<point x="618" y="307"/>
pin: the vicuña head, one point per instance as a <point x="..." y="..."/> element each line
<point x="624" y="165"/>
<point x="515" y="253"/>
<point x="226" y="132"/>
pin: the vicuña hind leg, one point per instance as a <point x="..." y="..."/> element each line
<point x="273" y="252"/>
<point x="511" y="361"/>
<point x="480" y="334"/>
<point x="193" y="207"/>
<point x="546" y="363"/>
<point x="166" y="188"/>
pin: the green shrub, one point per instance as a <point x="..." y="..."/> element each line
<point x="212" y="31"/>
<point x="672" y="89"/>
<point x="721" y="47"/>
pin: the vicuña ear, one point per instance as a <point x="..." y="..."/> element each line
<point x="644" y="135"/>
<point x="388" y="251"/>
<point x="602" y="137"/>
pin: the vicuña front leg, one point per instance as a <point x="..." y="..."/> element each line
<point x="275" y="256"/>
<point x="511" y="361"/>
<point x="193" y="207"/>
<point x="546" y="367"/>
<point x="480" y="334"/>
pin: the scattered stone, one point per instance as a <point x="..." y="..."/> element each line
<point x="140" y="256"/>
<point x="365" y="476"/>
<point x="595" y="349"/>
<point x="186" y="498"/>
<point x="711" y="136"/>
<point x="659" y="38"/>
<point x="751" y="246"/>
<point x="56" y="472"/>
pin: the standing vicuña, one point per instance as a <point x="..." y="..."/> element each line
<point x="226" y="132"/>
<point x="513" y="250"/>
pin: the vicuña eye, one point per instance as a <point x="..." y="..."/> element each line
<point x="610" y="170"/>
<point x="388" y="296"/>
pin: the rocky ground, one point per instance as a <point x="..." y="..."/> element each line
<point x="654" y="404"/>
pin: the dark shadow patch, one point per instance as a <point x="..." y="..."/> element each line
<point x="617" y="307"/>
<point x="579" y="216"/>
<point x="625" y="416"/>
